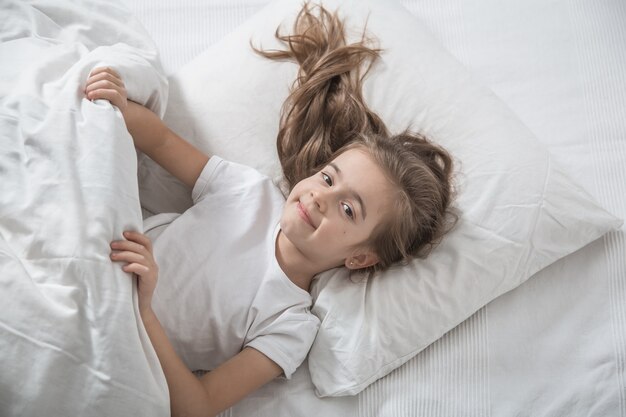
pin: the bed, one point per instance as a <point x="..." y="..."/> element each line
<point x="553" y="346"/>
<point x="556" y="345"/>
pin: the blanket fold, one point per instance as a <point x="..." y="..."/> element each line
<point x="71" y="338"/>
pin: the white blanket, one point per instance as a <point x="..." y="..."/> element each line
<point x="71" y="340"/>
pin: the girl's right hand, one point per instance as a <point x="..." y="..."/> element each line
<point x="105" y="83"/>
<point x="137" y="252"/>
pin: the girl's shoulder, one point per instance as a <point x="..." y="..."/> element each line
<point x="221" y="176"/>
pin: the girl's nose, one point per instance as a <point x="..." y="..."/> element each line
<point x="319" y="198"/>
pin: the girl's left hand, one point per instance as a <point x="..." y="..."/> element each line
<point x="105" y="83"/>
<point x="137" y="253"/>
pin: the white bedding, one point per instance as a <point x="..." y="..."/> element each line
<point x="71" y="341"/>
<point x="557" y="344"/>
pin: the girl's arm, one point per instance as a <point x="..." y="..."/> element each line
<point x="150" y="135"/>
<point x="179" y="157"/>
<point x="189" y="396"/>
<point x="216" y="390"/>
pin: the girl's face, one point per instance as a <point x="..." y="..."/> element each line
<point x="329" y="215"/>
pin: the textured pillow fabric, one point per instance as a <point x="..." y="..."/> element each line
<point x="519" y="211"/>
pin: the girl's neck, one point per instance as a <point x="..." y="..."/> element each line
<point x="294" y="264"/>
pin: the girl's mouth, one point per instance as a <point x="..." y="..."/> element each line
<point x="304" y="214"/>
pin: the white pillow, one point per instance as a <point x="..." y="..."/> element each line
<point x="520" y="212"/>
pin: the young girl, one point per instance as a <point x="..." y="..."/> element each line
<point x="359" y="198"/>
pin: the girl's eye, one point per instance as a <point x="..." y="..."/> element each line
<point x="348" y="210"/>
<point x="326" y="178"/>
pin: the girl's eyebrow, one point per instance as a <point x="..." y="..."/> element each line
<point x="353" y="193"/>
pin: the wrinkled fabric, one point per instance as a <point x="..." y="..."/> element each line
<point x="71" y="338"/>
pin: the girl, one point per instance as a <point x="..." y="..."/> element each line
<point x="359" y="198"/>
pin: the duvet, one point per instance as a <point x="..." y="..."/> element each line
<point x="71" y="340"/>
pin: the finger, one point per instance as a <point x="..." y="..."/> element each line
<point x="112" y="95"/>
<point x="136" y="268"/>
<point x="127" y="245"/>
<point x="139" y="238"/>
<point x="104" y="85"/>
<point x="127" y="256"/>
<point x="105" y="76"/>
<point x="110" y="70"/>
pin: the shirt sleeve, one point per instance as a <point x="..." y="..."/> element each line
<point x="287" y="342"/>
<point x="220" y="176"/>
<point x="201" y="186"/>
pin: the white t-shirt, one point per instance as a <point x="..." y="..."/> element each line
<point x="220" y="287"/>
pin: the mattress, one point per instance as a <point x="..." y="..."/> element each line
<point x="556" y="345"/>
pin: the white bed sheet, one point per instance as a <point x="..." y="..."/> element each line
<point x="555" y="346"/>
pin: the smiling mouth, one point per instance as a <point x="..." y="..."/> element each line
<point x="304" y="215"/>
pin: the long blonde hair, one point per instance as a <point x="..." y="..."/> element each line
<point x="325" y="114"/>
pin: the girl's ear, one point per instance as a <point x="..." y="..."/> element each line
<point x="362" y="260"/>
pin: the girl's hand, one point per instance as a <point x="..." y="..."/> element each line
<point x="105" y="83"/>
<point x="137" y="253"/>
